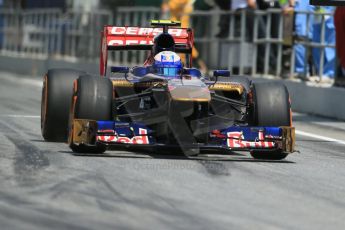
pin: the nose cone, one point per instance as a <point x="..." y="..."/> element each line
<point x="189" y="90"/>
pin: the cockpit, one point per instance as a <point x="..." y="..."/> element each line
<point x="142" y="71"/>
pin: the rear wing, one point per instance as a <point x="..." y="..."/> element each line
<point x="140" y="38"/>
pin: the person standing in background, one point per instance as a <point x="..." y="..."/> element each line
<point x="339" y="22"/>
<point x="242" y="4"/>
<point x="312" y="32"/>
<point x="329" y="38"/>
<point x="224" y="21"/>
<point x="180" y="10"/>
<point x="248" y="6"/>
<point x="273" y="33"/>
<point x="303" y="31"/>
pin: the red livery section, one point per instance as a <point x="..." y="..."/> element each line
<point x="140" y="38"/>
<point x="126" y="36"/>
<point x="139" y="140"/>
<point x="236" y="140"/>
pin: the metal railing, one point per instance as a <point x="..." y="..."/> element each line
<point x="73" y="35"/>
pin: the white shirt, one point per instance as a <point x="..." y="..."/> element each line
<point x="238" y="4"/>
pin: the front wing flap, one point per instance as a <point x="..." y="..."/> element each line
<point x="90" y="132"/>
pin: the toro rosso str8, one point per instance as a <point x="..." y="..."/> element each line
<point x="165" y="102"/>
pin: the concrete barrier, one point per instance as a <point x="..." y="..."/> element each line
<point x="38" y="67"/>
<point x="327" y="102"/>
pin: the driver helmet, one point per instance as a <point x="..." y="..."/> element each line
<point x="163" y="42"/>
<point x="167" y="63"/>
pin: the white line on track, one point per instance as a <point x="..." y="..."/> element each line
<point x="298" y="132"/>
<point x="19" y="116"/>
<point x="21" y="79"/>
<point x="302" y="133"/>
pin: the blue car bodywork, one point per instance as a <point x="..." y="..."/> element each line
<point x="233" y="137"/>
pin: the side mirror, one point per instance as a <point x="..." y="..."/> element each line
<point x="221" y="73"/>
<point x="119" y="69"/>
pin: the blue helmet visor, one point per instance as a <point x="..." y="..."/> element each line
<point x="169" y="71"/>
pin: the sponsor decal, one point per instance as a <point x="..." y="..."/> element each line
<point x="106" y="131"/>
<point x="236" y="140"/>
<point x="137" y="140"/>
<point x="178" y="32"/>
<point x="119" y="42"/>
<point x="273" y="137"/>
<point x="122" y="36"/>
<point x="167" y="57"/>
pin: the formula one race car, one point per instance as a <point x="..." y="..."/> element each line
<point x="164" y="103"/>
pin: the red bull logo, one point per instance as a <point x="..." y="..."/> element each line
<point x="236" y="140"/>
<point x="136" y="140"/>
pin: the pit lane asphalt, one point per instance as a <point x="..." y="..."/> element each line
<point x="45" y="186"/>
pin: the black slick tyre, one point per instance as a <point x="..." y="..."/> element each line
<point x="271" y="108"/>
<point x="93" y="101"/>
<point x="55" y="104"/>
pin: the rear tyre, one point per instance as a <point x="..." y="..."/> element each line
<point x="55" y="104"/>
<point x="93" y="101"/>
<point x="271" y="108"/>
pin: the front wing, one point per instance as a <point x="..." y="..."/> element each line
<point x="235" y="138"/>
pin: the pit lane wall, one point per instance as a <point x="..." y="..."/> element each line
<point x="327" y="102"/>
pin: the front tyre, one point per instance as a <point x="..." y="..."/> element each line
<point x="268" y="154"/>
<point x="55" y="104"/>
<point x="271" y="108"/>
<point x="92" y="100"/>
